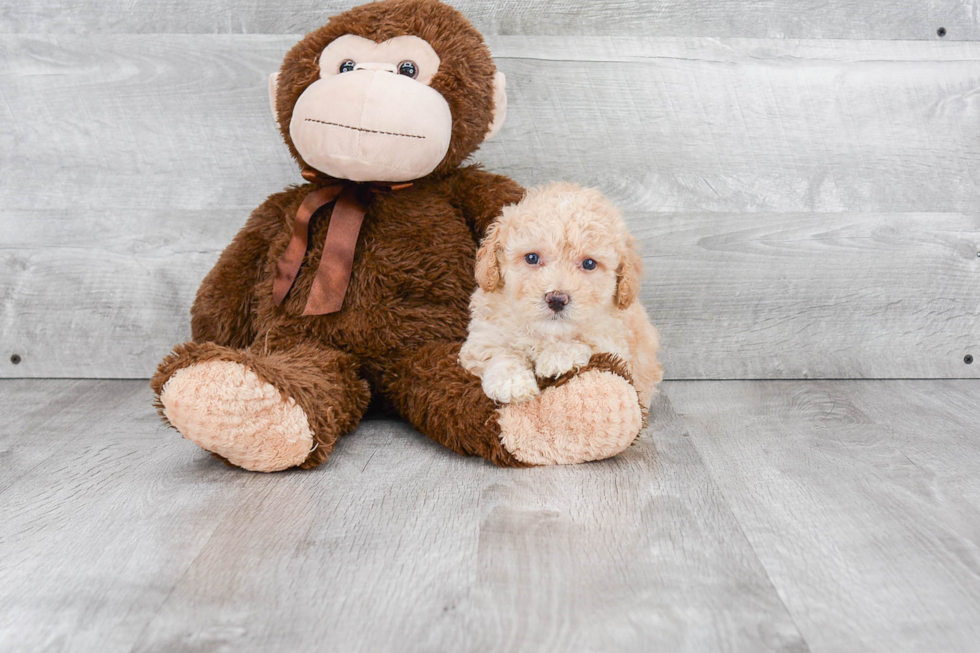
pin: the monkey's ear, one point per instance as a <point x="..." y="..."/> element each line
<point x="499" y="105"/>
<point x="628" y="277"/>
<point x="273" y="86"/>
<point x="487" y="263"/>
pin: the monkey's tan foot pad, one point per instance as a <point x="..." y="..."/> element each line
<point x="225" y="408"/>
<point x="595" y="415"/>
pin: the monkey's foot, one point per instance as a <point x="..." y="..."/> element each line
<point x="223" y="407"/>
<point x="592" y="416"/>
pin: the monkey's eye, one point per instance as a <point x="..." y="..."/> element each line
<point x="589" y="264"/>
<point x="532" y="259"/>
<point x="409" y="69"/>
<point x="347" y="66"/>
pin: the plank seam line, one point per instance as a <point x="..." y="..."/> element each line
<point x="177" y="582"/>
<point x="640" y="58"/>
<point x="741" y="530"/>
<point x="825" y="378"/>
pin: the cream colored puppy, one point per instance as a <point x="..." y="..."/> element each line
<point x="558" y="277"/>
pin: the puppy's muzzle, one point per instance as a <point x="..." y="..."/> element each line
<point x="557" y="301"/>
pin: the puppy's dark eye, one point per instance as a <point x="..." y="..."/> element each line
<point x="532" y="259"/>
<point x="409" y="69"/>
<point x="589" y="264"/>
<point x="347" y="66"/>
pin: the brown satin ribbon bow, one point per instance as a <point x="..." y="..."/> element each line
<point x="333" y="272"/>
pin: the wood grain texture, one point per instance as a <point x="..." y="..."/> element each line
<point x="860" y="498"/>
<point x="85" y="554"/>
<point x="37" y="415"/>
<point x="734" y="295"/>
<point x="838" y="19"/>
<point x="182" y="122"/>
<point x="745" y="125"/>
<point x="128" y="538"/>
<point x="807" y="208"/>
<point x="815" y="295"/>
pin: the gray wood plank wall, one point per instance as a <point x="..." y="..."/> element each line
<point x="813" y="19"/>
<point x="807" y="207"/>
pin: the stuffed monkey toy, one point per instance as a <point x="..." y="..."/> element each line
<point x="357" y="283"/>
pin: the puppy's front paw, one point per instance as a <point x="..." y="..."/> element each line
<point x="511" y="388"/>
<point x="555" y="362"/>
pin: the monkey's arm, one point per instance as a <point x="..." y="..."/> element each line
<point x="480" y="195"/>
<point x="222" y="310"/>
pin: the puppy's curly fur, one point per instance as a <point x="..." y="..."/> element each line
<point x="558" y="277"/>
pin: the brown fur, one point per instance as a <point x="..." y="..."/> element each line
<point x="465" y="77"/>
<point x="406" y="309"/>
<point x="305" y="372"/>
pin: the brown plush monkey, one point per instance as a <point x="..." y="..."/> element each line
<point x="343" y="288"/>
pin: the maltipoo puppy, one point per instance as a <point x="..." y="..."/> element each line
<point x="558" y="277"/>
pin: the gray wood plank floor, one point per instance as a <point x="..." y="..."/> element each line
<point x="752" y="516"/>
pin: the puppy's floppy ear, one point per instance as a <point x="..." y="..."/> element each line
<point x="487" y="263"/>
<point x="628" y="276"/>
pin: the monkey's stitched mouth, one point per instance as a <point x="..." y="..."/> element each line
<point x="361" y="129"/>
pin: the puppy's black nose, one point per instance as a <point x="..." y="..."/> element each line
<point x="556" y="301"/>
